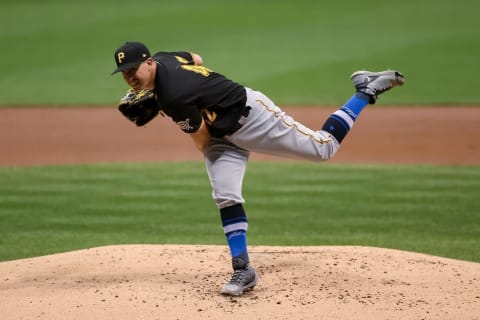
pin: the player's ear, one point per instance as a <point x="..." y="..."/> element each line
<point x="150" y="64"/>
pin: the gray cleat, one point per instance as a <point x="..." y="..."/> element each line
<point x="244" y="278"/>
<point x="375" y="83"/>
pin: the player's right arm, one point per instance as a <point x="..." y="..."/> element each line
<point x="197" y="59"/>
<point x="201" y="137"/>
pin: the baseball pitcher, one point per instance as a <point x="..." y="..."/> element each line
<point x="226" y="122"/>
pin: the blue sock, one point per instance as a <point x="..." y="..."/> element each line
<point x="341" y="121"/>
<point x="237" y="242"/>
<point x="235" y="225"/>
<point x="356" y="103"/>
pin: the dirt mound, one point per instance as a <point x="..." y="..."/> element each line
<point x="182" y="282"/>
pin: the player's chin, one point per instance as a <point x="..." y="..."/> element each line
<point x="135" y="85"/>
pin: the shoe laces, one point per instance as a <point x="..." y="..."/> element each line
<point x="237" y="276"/>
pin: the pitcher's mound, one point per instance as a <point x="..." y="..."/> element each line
<point x="183" y="282"/>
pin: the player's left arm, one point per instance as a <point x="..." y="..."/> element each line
<point x="201" y="137"/>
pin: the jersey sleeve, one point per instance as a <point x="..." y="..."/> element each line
<point x="182" y="57"/>
<point x="188" y="118"/>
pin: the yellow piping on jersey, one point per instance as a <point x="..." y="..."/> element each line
<point x="321" y="141"/>
<point x="181" y="60"/>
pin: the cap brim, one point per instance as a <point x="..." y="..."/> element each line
<point x="127" y="66"/>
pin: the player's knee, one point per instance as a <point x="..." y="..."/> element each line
<point x="325" y="145"/>
<point x="223" y="200"/>
<point x="325" y="153"/>
<point x="328" y="154"/>
<point x="224" y="203"/>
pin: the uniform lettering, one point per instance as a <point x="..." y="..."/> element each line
<point x="204" y="71"/>
<point x="209" y="116"/>
<point x="185" y="125"/>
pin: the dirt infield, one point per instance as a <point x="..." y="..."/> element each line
<point x="182" y="282"/>
<point x="381" y="135"/>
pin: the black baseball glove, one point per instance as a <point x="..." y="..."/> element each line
<point x="140" y="107"/>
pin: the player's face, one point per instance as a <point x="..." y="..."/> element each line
<point x="140" y="77"/>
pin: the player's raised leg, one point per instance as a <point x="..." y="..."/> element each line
<point x="369" y="85"/>
<point x="268" y="129"/>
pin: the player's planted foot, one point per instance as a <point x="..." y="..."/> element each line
<point x="375" y="83"/>
<point x="244" y="278"/>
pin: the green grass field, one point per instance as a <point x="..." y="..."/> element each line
<point x="299" y="52"/>
<point x="60" y="53"/>
<point x="430" y="209"/>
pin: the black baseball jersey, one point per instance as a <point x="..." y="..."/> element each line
<point x="187" y="93"/>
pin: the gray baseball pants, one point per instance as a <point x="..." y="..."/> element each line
<point x="267" y="129"/>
